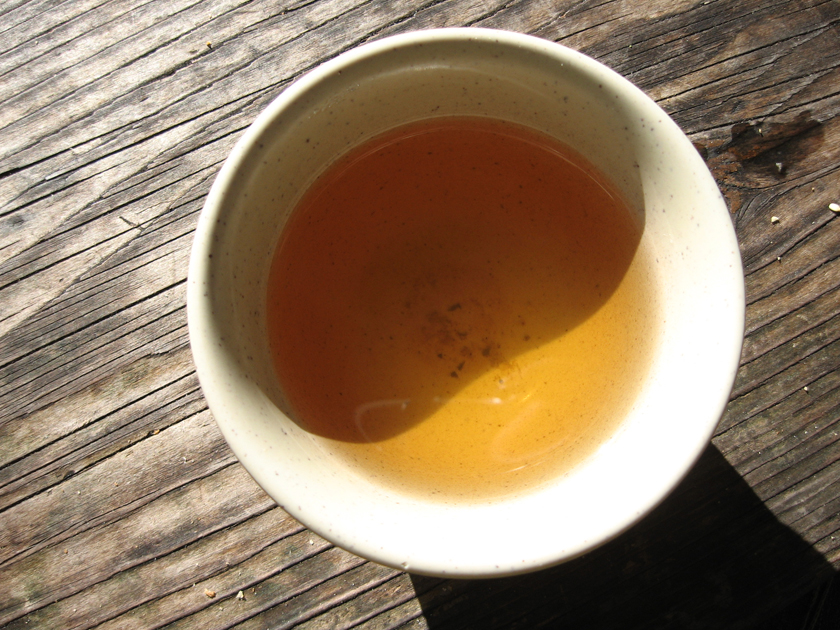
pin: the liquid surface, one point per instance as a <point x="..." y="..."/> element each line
<point x="462" y="309"/>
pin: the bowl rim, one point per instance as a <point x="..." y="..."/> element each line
<point x="204" y="334"/>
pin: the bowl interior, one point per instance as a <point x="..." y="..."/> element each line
<point x="533" y="83"/>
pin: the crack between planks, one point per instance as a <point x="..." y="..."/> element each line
<point x="312" y="612"/>
<point x="210" y="532"/>
<point x="807" y="409"/>
<point x="590" y="27"/>
<point x="173" y="159"/>
<point x="793" y="365"/>
<point x="73" y="301"/>
<point x="785" y="315"/>
<point x="173" y="163"/>
<point x="727" y="127"/>
<point x="799" y="519"/>
<point x="735" y="20"/>
<point x="491" y="13"/>
<point x="270" y="605"/>
<point x="111" y="153"/>
<point x="57" y="462"/>
<point x="34" y="17"/>
<point x="408" y="617"/>
<point x="744" y="96"/>
<point x="311" y="31"/>
<point x="795" y="184"/>
<point x="27" y="400"/>
<point x="355" y="594"/>
<point x="245" y="585"/>
<point x="160" y="595"/>
<point x="795" y="484"/>
<point x="244" y="64"/>
<point x="764" y="64"/>
<point x="44" y="470"/>
<point x="715" y="25"/>
<point x="127" y="126"/>
<point x="122" y="511"/>
<point x="791" y="248"/>
<point x="393" y="604"/>
<point x="79" y="166"/>
<point x="779" y="402"/>
<point x="104" y="52"/>
<point x="794" y="280"/>
<point x="58" y="261"/>
<point x="816" y="324"/>
<point x="91" y="293"/>
<point x="141" y="228"/>
<point x="17" y="169"/>
<point x="229" y="73"/>
<point x="825" y="97"/>
<point x="86" y="425"/>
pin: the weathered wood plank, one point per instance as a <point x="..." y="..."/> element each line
<point x="114" y="600"/>
<point x="177" y="518"/>
<point x="355" y="611"/>
<point x="114" y="488"/>
<point x="344" y="586"/>
<point x="25" y="22"/>
<point x="298" y="561"/>
<point x="752" y="444"/>
<point x="401" y="607"/>
<point x="116" y="115"/>
<point x="82" y="430"/>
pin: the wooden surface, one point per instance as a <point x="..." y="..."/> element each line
<point x="121" y="505"/>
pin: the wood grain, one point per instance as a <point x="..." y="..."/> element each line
<point x="120" y="504"/>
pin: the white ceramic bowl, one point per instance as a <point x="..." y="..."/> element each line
<point x="541" y="85"/>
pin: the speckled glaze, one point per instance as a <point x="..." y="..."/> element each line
<point x="527" y="81"/>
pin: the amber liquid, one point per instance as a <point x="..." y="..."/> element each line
<point x="461" y="307"/>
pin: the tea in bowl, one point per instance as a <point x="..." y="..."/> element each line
<point x="457" y="283"/>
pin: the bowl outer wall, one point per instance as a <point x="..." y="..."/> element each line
<point x="478" y="540"/>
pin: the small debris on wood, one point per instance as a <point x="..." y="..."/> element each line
<point x="240" y="596"/>
<point x="805" y="388"/>
<point x="209" y="44"/>
<point x="834" y="207"/>
<point x="209" y="593"/>
<point x="774" y="219"/>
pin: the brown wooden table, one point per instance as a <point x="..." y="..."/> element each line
<point x="120" y="504"/>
